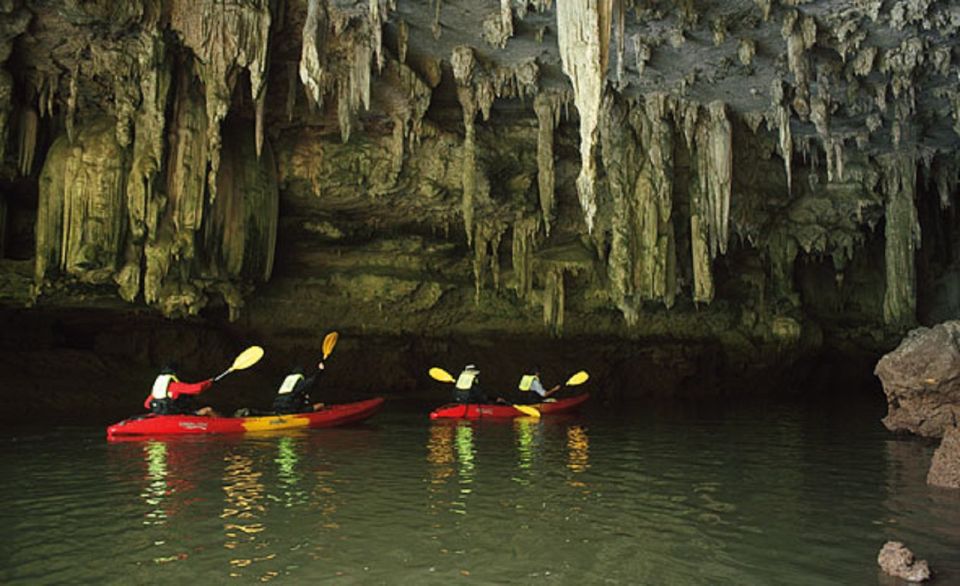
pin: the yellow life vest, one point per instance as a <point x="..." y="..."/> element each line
<point x="526" y="381"/>
<point x="289" y="383"/>
<point x="465" y="380"/>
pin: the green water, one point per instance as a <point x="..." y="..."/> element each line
<point x="772" y="495"/>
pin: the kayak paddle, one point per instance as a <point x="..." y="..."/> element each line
<point x="329" y="341"/>
<point x="576" y="379"/>
<point x="245" y="359"/>
<point x="439" y="374"/>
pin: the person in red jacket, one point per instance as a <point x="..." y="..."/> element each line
<point x="169" y="396"/>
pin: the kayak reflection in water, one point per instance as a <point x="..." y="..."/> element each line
<point x="532" y="389"/>
<point x="467" y="389"/>
<point x="293" y="396"/>
<point x="169" y="396"/>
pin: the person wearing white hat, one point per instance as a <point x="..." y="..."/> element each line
<point x="467" y="389"/>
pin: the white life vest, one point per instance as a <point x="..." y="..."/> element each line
<point x="160" y="386"/>
<point x="289" y="383"/>
<point x="526" y="381"/>
<point x="466" y="378"/>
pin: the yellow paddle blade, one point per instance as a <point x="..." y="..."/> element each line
<point x="441" y="375"/>
<point x="329" y="342"/>
<point x="248" y="358"/>
<point x="528" y="410"/>
<point x="578" y="378"/>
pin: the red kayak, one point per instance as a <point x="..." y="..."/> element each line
<point x="149" y="425"/>
<point x="500" y="411"/>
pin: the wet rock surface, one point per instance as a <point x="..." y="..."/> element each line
<point x="945" y="467"/>
<point x="921" y="379"/>
<point x="897" y="560"/>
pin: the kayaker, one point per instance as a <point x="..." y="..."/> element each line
<point x="293" y="396"/>
<point x="169" y="396"/>
<point x="533" y="391"/>
<point x="467" y="389"/>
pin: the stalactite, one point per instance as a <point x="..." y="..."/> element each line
<point x="524" y="243"/>
<point x="225" y="40"/>
<point x="143" y="193"/>
<point x="583" y="31"/>
<point x="71" y="113"/>
<point x="403" y="36"/>
<point x="376" y="31"/>
<point x="715" y="171"/>
<point x="463" y="62"/>
<point x="710" y="189"/>
<point x="553" y="300"/>
<point x="799" y="40"/>
<point x="620" y="16"/>
<point x="486" y="252"/>
<point x="435" y="28"/>
<point x="311" y="65"/>
<point x="902" y="239"/>
<point x="782" y="251"/>
<point x="641" y="53"/>
<point x="29" y="122"/>
<point x="746" y="49"/>
<point x="80" y="216"/>
<point x="637" y="149"/>
<point x="546" y="108"/>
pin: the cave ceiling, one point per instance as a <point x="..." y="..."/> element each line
<point x="623" y="147"/>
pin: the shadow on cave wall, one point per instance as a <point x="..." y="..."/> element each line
<point x="97" y="366"/>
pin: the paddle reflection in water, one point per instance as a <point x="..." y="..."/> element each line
<point x="578" y="454"/>
<point x="243" y="509"/>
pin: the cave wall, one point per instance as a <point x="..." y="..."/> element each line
<point x="567" y="171"/>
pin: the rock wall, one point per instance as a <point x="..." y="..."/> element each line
<point x="759" y="177"/>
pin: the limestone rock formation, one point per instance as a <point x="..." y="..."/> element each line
<point x="945" y="467"/>
<point x="898" y="561"/>
<point x="921" y="379"/>
<point x="768" y="177"/>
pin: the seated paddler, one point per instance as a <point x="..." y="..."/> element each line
<point x="467" y="389"/>
<point x="293" y="396"/>
<point x="532" y="390"/>
<point x="170" y="396"/>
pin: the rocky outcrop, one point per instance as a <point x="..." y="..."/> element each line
<point x="945" y="467"/>
<point x="897" y="560"/>
<point x="921" y="379"/>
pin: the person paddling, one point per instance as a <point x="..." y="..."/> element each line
<point x="533" y="388"/>
<point x="293" y="396"/>
<point x="467" y="389"/>
<point x="169" y="396"/>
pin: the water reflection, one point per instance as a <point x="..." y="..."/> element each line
<point x="287" y="461"/>
<point x="440" y="453"/>
<point x="527" y="430"/>
<point x="156" y="490"/>
<point x="465" y="464"/>
<point x="578" y="453"/>
<point x="243" y="508"/>
<point x="450" y="450"/>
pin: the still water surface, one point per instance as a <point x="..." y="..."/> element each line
<point x="783" y="495"/>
